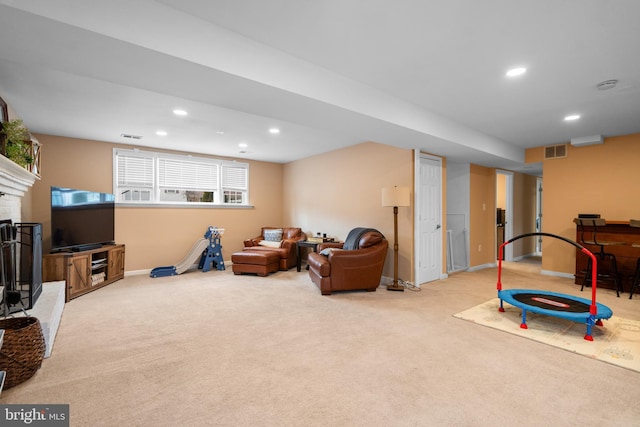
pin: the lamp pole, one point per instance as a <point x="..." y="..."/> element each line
<point x="395" y="196"/>
<point x="395" y="286"/>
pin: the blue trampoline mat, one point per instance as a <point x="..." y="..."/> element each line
<point x="554" y="304"/>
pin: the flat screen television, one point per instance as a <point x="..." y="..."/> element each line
<point x="81" y="219"/>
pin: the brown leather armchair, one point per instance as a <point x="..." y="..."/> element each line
<point x="287" y="248"/>
<point x="349" y="269"/>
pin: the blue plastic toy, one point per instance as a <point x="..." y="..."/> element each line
<point x="209" y="249"/>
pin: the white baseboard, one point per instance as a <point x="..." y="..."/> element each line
<point x="525" y="256"/>
<point x="136" y="272"/>
<point x="483" y="266"/>
<point x="558" y="274"/>
<point x="227" y="264"/>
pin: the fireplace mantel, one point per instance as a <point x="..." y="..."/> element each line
<point x="14" y="179"/>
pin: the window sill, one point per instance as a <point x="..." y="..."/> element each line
<point x="181" y="205"/>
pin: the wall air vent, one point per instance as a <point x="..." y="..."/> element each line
<point x="555" y="151"/>
<point x="127" y="135"/>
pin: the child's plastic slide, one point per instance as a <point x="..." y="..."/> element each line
<point x="190" y="259"/>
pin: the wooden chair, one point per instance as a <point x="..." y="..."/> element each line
<point x="612" y="274"/>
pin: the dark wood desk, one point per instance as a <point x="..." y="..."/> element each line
<point x="626" y="255"/>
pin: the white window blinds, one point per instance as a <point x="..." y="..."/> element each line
<point x="234" y="177"/>
<point x="147" y="177"/>
<point x="183" y="174"/>
<point x="134" y="171"/>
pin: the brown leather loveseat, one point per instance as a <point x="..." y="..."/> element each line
<point x="345" y="269"/>
<point x="270" y="239"/>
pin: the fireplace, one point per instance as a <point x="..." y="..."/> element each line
<point x="20" y="266"/>
<point x="15" y="182"/>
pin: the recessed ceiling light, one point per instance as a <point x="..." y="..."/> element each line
<point x="243" y="145"/>
<point x="179" y="112"/>
<point x="518" y="71"/>
<point x="274" y="130"/>
<point x="161" y="133"/>
<point x="571" y="117"/>
<point x="220" y="132"/>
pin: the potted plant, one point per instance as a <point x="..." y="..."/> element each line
<point x="18" y="146"/>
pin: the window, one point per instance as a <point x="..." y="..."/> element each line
<point x="146" y="177"/>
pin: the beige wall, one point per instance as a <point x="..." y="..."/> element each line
<point x="153" y="236"/>
<point x="593" y="179"/>
<point x="487" y="191"/>
<point x="339" y="190"/>
<point x="524" y="213"/>
<point x="524" y="210"/>
<point x="313" y="193"/>
<point x="482" y="213"/>
<point x="501" y="191"/>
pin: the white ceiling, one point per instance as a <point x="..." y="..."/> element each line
<point x="327" y="73"/>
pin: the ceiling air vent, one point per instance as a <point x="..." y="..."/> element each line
<point x="555" y="151"/>
<point x="587" y="140"/>
<point x="126" y="135"/>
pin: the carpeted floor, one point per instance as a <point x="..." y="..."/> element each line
<point x="214" y="349"/>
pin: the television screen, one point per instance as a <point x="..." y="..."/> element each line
<point x="81" y="219"/>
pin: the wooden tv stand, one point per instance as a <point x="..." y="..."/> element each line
<point x="84" y="271"/>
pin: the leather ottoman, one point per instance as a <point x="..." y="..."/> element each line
<point x="258" y="262"/>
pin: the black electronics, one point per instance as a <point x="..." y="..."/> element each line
<point x="81" y="219"/>
<point x="500" y="217"/>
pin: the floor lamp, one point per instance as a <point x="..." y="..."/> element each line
<point x="395" y="196"/>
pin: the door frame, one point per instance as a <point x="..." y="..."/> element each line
<point x="508" y="227"/>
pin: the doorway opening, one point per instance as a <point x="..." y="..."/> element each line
<point x="504" y="212"/>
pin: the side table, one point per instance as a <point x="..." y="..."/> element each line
<point x="304" y="244"/>
<point x="314" y="247"/>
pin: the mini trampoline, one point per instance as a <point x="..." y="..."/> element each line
<point x="555" y="304"/>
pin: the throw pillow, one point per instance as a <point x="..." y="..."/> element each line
<point x="274" y="235"/>
<point x="270" y="244"/>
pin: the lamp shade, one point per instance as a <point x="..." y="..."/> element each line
<point x="396" y="196"/>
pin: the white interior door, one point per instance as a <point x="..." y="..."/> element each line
<point x="429" y="218"/>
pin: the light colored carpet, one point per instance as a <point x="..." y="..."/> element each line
<point x="616" y="342"/>
<point x="214" y="349"/>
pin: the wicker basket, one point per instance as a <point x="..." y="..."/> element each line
<point x="22" y="350"/>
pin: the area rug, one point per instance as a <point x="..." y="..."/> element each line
<point x="616" y="342"/>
